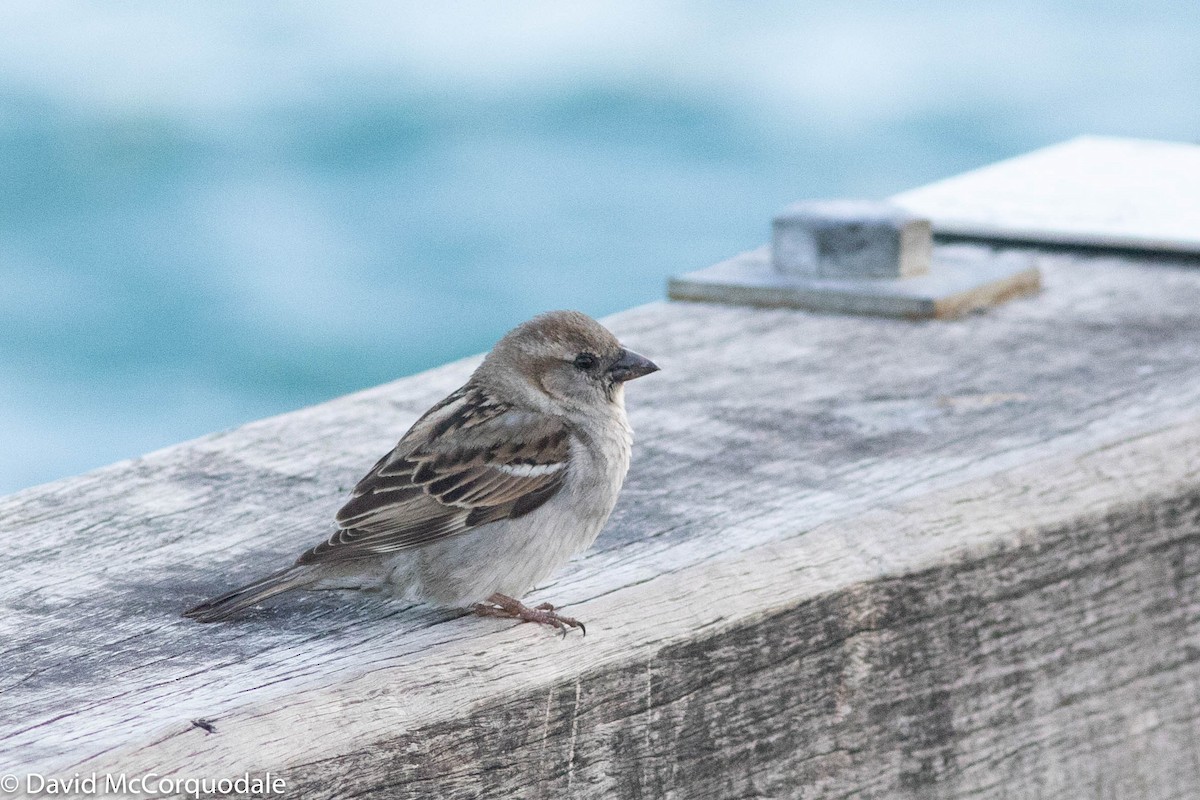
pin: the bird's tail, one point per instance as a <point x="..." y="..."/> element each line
<point x="225" y="606"/>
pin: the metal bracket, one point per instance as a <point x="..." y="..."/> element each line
<point x="858" y="257"/>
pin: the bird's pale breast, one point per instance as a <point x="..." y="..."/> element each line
<point x="512" y="556"/>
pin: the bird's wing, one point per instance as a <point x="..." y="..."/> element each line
<point x="469" y="461"/>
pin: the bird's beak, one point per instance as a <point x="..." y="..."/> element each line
<point x="630" y="365"/>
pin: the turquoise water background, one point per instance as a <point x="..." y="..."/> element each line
<point x="212" y="212"/>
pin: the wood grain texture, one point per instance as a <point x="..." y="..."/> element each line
<point x="854" y="557"/>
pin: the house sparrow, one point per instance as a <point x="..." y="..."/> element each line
<point x="492" y="490"/>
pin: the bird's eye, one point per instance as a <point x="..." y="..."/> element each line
<point x="585" y="361"/>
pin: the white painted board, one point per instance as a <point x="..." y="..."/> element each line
<point x="1097" y="191"/>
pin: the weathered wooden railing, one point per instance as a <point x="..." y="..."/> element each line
<point x="854" y="557"/>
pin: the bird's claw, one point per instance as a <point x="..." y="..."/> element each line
<point x="499" y="605"/>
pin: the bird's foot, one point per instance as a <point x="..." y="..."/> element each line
<point x="501" y="605"/>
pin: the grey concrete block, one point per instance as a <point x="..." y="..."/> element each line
<point x="853" y="239"/>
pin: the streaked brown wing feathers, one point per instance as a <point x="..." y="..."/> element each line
<point x="469" y="461"/>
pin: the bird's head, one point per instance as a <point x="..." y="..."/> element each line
<point x="565" y="362"/>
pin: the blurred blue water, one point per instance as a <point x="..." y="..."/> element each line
<point x="215" y="212"/>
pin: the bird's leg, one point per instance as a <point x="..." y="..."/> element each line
<point x="501" y="605"/>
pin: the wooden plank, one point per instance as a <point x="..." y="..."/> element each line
<point x="853" y="555"/>
<point x="1094" y="190"/>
